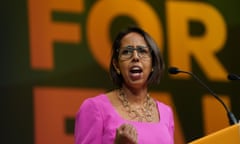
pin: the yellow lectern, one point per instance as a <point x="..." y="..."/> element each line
<point x="229" y="135"/>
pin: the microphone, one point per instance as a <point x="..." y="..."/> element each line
<point x="232" y="119"/>
<point x="233" y="77"/>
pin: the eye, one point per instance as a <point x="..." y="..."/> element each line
<point x="126" y="51"/>
<point x="143" y="50"/>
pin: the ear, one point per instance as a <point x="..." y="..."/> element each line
<point x="116" y="66"/>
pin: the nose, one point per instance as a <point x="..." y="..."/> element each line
<point x="135" y="55"/>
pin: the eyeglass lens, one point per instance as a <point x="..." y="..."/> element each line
<point x="127" y="52"/>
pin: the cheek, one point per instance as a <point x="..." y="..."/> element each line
<point x="123" y="67"/>
<point x="148" y="65"/>
<point x="149" y="69"/>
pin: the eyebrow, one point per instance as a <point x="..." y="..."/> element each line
<point x="131" y="46"/>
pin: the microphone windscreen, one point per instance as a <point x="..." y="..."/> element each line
<point x="173" y="70"/>
<point x="233" y="77"/>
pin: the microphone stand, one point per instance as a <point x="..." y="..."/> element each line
<point x="231" y="117"/>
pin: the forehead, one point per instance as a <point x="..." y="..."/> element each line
<point x="133" y="38"/>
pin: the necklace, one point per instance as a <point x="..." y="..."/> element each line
<point x="141" y="113"/>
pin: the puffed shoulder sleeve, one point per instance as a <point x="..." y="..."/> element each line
<point x="88" y="124"/>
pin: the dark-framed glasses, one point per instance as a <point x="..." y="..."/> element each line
<point x="127" y="52"/>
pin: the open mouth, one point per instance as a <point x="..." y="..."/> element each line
<point x="136" y="73"/>
<point x="135" y="69"/>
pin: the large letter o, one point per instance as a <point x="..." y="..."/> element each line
<point x="101" y="16"/>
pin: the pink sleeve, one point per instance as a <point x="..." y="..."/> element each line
<point x="88" y="124"/>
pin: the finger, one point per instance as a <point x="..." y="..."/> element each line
<point x="121" y="128"/>
<point x="131" y="132"/>
<point x="127" y="130"/>
<point x="131" y="129"/>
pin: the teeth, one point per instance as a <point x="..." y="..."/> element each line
<point x="136" y="69"/>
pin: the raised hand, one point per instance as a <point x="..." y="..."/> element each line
<point x="126" y="134"/>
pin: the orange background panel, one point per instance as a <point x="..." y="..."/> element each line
<point x="51" y="106"/>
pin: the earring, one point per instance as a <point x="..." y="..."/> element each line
<point x="118" y="71"/>
<point x="152" y="69"/>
